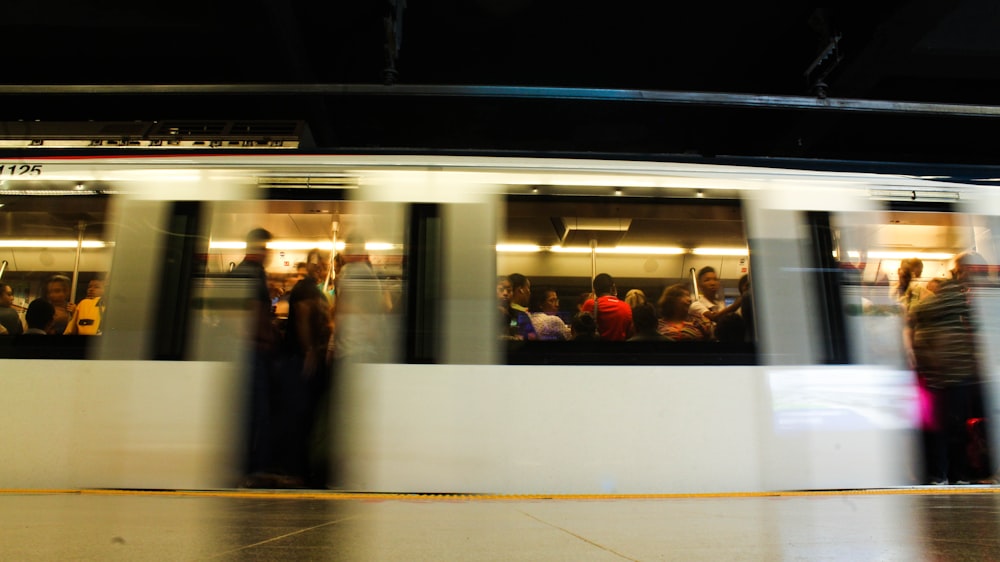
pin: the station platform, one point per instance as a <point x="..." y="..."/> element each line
<point x="925" y="523"/>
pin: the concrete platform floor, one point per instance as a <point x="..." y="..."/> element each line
<point x="944" y="523"/>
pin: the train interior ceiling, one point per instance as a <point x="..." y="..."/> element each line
<point x="556" y="235"/>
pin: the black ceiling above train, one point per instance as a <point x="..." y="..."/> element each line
<point x="904" y="51"/>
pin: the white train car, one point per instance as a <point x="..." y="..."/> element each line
<point x="820" y="397"/>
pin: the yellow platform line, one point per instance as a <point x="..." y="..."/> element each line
<point x="373" y="496"/>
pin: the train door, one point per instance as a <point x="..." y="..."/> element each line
<point x="839" y="416"/>
<point x="920" y="295"/>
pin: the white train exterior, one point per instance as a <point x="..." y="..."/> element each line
<point x="128" y="416"/>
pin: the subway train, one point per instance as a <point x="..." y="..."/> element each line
<point x="820" y="396"/>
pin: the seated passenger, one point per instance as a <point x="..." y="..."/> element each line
<point x="39" y="317"/>
<point x="644" y="319"/>
<point x="614" y="317"/>
<point x="583" y="328"/>
<point x="676" y="322"/>
<point x="544" y="305"/>
<point x="86" y="320"/>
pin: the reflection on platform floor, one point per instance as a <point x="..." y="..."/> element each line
<point x="959" y="523"/>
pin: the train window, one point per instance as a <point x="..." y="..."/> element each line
<point x="348" y="254"/>
<point x="890" y="261"/>
<point x="643" y="258"/>
<point x="53" y="249"/>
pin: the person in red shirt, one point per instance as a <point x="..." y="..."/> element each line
<point x="614" y="317"/>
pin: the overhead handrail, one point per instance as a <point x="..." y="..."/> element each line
<point x="81" y="227"/>
<point x="331" y="272"/>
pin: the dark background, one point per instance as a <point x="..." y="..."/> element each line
<point x="930" y="52"/>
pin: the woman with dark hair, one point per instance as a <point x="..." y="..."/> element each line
<point x="675" y="322"/>
<point x="542" y="309"/>
<point x="907" y="292"/>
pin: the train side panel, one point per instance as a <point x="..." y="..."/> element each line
<point x="119" y="424"/>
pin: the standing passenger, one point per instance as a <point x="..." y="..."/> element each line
<point x="907" y="292"/>
<point x="259" y="437"/>
<point x="519" y="301"/>
<point x="10" y="322"/>
<point x="361" y="306"/>
<point x="304" y="379"/>
<point x="507" y="325"/>
<point x="635" y="297"/>
<point x="614" y="317"/>
<point x="57" y="293"/>
<point x="711" y="304"/>
<point x="86" y="320"/>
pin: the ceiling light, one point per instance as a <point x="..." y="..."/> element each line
<point x="720" y="252"/>
<point x="633" y="250"/>
<point x="513" y="248"/>
<point x="643" y="250"/>
<point x="301" y="245"/>
<point x="939" y="256"/>
<point x="52" y="244"/>
<point x="934" y="256"/>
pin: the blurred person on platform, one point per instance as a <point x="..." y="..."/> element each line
<point x="948" y="363"/>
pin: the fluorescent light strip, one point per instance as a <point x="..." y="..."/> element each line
<point x="630" y="250"/>
<point x="301" y="245"/>
<point x="937" y="256"/>
<point x="51" y="244"/>
<point x="643" y="250"/>
<point x="904" y="255"/>
<point x="720" y="252"/>
<point x="515" y="248"/>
